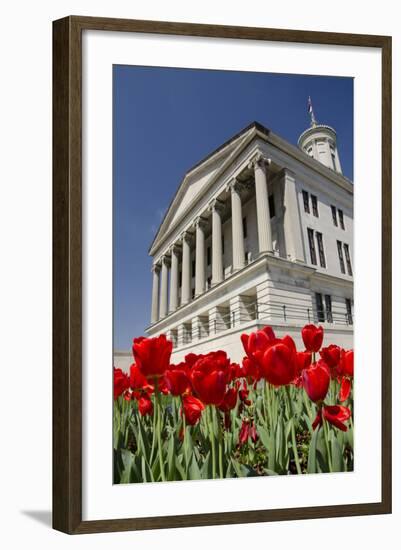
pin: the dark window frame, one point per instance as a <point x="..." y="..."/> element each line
<point x="320" y="248"/>
<point x="305" y="196"/>
<point x="348" y="306"/>
<point x="348" y="259"/>
<point x="245" y="227"/>
<point x="341" y="218"/>
<point x="341" y="256"/>
<point x="319" y="307"/>
<point x="315" y="209"/>
<point x="312" y="247"/>
<point x="334" y="215"/>
<point x="328" y="308"/>
<point x="209" y="255"/>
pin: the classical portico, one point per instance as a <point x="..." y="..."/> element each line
<point x="231" y="251"/>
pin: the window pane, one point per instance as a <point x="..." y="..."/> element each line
<point x="305" y="196"/>
<point x="341" y="217"/>
<point x="244" y="227"/>
<point x="322" y="257"/>
<point x="348" y="259"/>
<point x="329" y="313"/>
<point x="340" y="256"/>
<point x="314" y="206"/>
<point x="348" y="305"/>
<point x="334" y="215"/>
<point x="319" y="307"/>
<point x="312" y="249"/>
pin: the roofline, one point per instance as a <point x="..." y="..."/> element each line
<point x="233" y="138"/>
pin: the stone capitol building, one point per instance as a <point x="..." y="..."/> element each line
<point x="260" y="232"/>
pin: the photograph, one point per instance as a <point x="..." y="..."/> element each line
<point x="233" y="266"/>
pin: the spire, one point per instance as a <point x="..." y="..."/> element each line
<point x="311" y="113"/>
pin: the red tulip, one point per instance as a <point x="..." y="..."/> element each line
<point x="253" y="433"/>
<point x="120" y="382"/>
<point x="192" y="408"/>
<point x="346" y="366"/>
<point x="345" y="389"/>
<point x="176" y="379"/>
<point x="331" y="355"/>
<point x="335" y="415"/>
<point x="256" y="343"/>
<point x="152" y="355"/>
<point x="316" y="381"/>
<point x="279" y="362"/>
<point x="312" y="337"/>
<point x="145" y="405"/>
<point x="250" y="370"/>
<point x="244" y="433"/>
<point x="137" y="380"/>
<point x="229" y="400"/>
<point x="209" y="377"/>
<point x="243" y="394"/>
<point x="304" y="359"/>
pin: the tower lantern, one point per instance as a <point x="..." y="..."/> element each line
<point x="320" y="142"/>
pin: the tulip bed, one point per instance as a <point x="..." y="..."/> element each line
<point x="282" y="411"/>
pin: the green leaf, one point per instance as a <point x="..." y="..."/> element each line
<point x="194" y="472"/>
<point x="170" y="458"/>
<point x="180" y="468"/>
<point x="337" y="456"/>
<point x="312" y="466"/>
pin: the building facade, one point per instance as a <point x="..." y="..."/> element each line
<point x="259" y="232"/>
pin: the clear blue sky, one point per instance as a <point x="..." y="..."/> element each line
<point x="164" y="121"/>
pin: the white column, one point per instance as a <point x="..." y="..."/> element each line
<point x="174" y="278"/>
<point x="164" y="288"/>
<point x="217" y="208"/>
<point x="155" y="294"/>
<point x="200" y="225"/>
<point x="292" y="220"/>
<point x="262" y="204"/>
<point x="186" y="268"/>
<point x="237" y="228"/>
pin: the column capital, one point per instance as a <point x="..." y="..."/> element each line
<point x="236" y="186"/>
<point x="259" y="160"/>
<point x="217" y="205"/>
<point x="186" y="236"/>
<point x="155" y="268"/>
<point x="165" y="260"/>
<point x="175" y="248"/>
<point x="287" y="173"/>
<point x="200" y="222"/>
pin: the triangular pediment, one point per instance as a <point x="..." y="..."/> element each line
<point x="196" y="180"/>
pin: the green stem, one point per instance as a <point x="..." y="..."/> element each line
<point x="159" y="437"/>
<point x="185" y="445"/>
<point x="212" y="441"/>
<point x="294" y="448"/>
<point x="326" y="439"/>
<point x="220" y="431"/>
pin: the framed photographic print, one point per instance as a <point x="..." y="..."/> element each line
<point x="222" y="275"/>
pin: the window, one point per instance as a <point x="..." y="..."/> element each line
<point x="305" y="196"/>
<point x="329" y="313"/>
<point x="208" y="254"/>
<point x="222" y="244"/>
<point x="319" y="307"/>
<point x="340" y="256"/>
<point x="314" y="206"/>
<point x="180" y="279"/>
<point x="312" y="248"/>
<point x="193" y="293"/>
<point x="310" y="151"/>
<point x="244" y="227"/>
<point x="348" y="306"/>
<point x="209" y="282"/>
<point x="272" y="206"/>
<point x="193" y="268"/>
<point x="341" y="218"/>
<point x="348" y="259"/>
<point x="334" y="215"/>
<point x="322" y="258"/>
